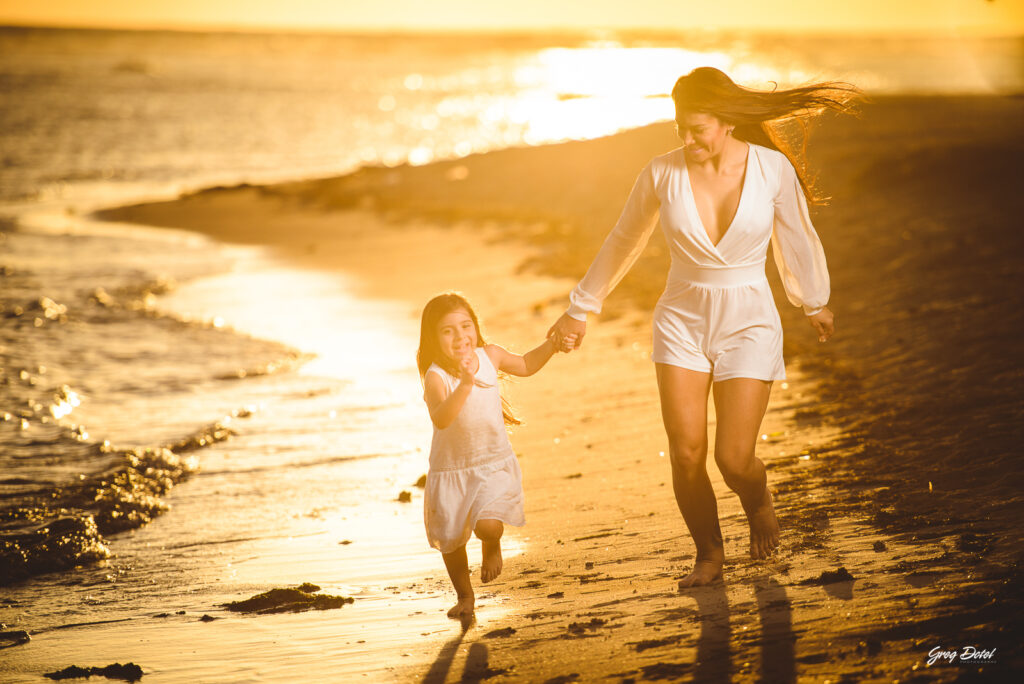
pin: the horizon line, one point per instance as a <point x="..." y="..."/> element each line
<point x="595" y="31"/>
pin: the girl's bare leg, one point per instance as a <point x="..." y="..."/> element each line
<point x="458" y="570"/>
<point x="684" y="410"/>
<point x="489" y="532"/>
<point x="740" y="404"/>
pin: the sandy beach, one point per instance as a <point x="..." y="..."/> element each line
<point x="892" y="451"/>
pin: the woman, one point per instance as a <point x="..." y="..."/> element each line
<point x="722" y="197"/>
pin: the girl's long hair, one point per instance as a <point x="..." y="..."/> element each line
<point x="765" y="117"/>
<point x="429" y="351"/>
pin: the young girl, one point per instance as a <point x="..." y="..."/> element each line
<point x="474" y="484"/>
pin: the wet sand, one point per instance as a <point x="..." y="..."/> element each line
<point x="849" y="440"/>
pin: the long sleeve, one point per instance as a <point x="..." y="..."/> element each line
<point x="620" y="250"/>
<point x="798" y="252"/>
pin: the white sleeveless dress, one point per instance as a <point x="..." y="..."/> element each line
<point x="474" y="474"/>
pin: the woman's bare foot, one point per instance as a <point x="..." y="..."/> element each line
<point x="764" y="528"/>
<point x="490" y="568"/>
<point x="705" y="571"/>
<point x="464" y="608"/>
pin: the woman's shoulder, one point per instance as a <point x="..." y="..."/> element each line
<point x="767" y="153"/>
<point x="775" y="166"/>
<point x="673" y="157"/>
<point x="770" y="157"/>
<point x="666" y="164"/>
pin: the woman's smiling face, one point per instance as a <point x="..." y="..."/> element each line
<point x="456" y="334"/>
<point x="703" y="135"/>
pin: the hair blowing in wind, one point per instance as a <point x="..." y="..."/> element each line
<point x="762" y="116"/>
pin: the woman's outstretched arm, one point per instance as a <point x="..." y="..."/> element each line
<point x="617" y="255"/>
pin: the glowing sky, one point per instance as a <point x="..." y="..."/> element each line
<point x="985" y="16"/>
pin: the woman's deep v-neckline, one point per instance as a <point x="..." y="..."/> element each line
<point x="736" y="212"/>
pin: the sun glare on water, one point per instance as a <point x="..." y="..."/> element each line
<point x="574" y="93"/>
<point x="562" y="93"/>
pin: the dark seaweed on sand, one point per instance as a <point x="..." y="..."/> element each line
<point x="129" y="672"/>
<point x="583" y="627"/>
<point x="296" y="600"/>
<point x="830" y="577"/>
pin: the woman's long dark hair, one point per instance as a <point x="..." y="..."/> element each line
<point x="430" y="348"/>
<point x="763" y="116"/>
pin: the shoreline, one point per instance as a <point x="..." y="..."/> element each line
<point x="622" y="614"/>
<point x="561" y="199"/>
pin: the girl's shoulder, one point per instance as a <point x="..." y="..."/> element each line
<point x="495" y="353"/>
<point x="438" y="381"/>
<point x="437" y="370"/>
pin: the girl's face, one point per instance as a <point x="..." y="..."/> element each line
<point x="703" y="135"/>
<point x="456" y="334"/>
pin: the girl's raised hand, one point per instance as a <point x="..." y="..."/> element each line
<point x="466" y="369"/>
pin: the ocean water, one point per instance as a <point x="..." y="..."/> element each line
<point x="90" y="115"/>
<point x="136" y="366"/>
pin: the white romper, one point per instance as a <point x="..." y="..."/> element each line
<point x="717" y="314"/>
<point x="474" y="473"/>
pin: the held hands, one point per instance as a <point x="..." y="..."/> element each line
<point x="567" y="333"/>
<point x="824" y="323"/>
<point x="567" y="344"/>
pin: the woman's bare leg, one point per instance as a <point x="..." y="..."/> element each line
<point x="489" y="532"/>
<point x="457" y="565"/>
<point x="740" y="404"/>
<point x="684" y="410"/>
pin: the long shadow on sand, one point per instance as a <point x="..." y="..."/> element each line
<point x="777" y="642"/>
<point x="714" y="644"/>
<point x="476" y="661"/>
<point x="714" y="651"/>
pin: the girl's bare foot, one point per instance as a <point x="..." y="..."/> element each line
<point x="491" y="566"/>
<point x="764" y="528"/>
<point x="705" y="571"/>
<point x="464" y="608"/>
